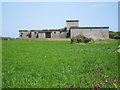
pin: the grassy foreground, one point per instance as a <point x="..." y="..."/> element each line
<point x="59" y="64"/>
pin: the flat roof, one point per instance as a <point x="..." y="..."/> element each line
<point x="54" y="29"/>
<point x="41" y="30"/>
<point x="72" y="20"/>
<point x="23" y="30"/>
<point x="89" y="27"/>
<point x="35" y="30"/>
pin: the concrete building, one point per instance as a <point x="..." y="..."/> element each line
<point x="72" y="29"/>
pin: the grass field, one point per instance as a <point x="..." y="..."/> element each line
<point x="59" y="64"/>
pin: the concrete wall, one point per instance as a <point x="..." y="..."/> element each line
<point x="55" y="34"/>
<point x="24" y="34"/>
<point x="91" y="33"/>
<point x="41" y="35"/>
<point x="34" y="34"/>
<point x="63" y="34"/>
<point x="71" y="24"/>
<point x="94" y="33"/>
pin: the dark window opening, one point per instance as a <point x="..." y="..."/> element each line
<point x="35" y="32"/>
<point x="68" y="35"/>
<point x="48" y="34"/>
<point x="20" y="35"/>
<point x="54" y="32"/>
<point x="30" y="35"/>
<point x="37" y="36"/>
<point x="27" y="35"/>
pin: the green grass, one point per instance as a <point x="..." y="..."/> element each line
<point x="0" y="63"/>
<point x="58" y="64"/>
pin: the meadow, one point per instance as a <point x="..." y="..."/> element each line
<point x="59" y="64"/>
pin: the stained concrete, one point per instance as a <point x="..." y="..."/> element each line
<point x="72" y="30"/>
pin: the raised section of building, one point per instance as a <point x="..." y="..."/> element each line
<point x="73" y="23"/>
<point x="72" y="29"/>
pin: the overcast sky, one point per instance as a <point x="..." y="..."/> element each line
<point x="50" y="15"/>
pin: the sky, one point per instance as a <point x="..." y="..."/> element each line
<point x="50" y="15"/>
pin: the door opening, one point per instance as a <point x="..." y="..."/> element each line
<point x="48" y="34"/>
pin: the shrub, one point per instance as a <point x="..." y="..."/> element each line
<point x="7" y="38"/>
<point x="80" y="39"/>
<point x="63" y="29"/>
<point x="114" y="35"/>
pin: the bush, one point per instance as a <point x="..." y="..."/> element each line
<point x="7" y="38"/>
<point x="114" y="35"/>
<point x="63" y="29"/>
<point x="80" y="39"/>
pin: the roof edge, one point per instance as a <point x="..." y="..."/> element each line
<point x="72" y="20"/>
<point x="89" y="27"/>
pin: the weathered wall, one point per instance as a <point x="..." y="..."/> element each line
<point x="41" y="35"/>
<point x="91" y="33"/>
<point x="34" y="34"/>
<point x="63" y="34"/>
<point x="24" y="34"/>
<point x="55" y="34"/>
<point x="71" y="24"/>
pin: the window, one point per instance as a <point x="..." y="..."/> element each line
<point x="54" y="32"/>
<point x="20" y="35"/>
<point x="35" y="32"/>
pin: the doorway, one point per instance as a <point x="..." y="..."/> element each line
<point x="48" y="34"/>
